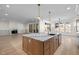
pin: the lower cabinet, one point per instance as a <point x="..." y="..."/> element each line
<point x="35" y="47"/>
<point x="32" y="46"/>
<point x="26" y="44"/>
<point x="59" y="38"/>
<point x="46" y="47"/>
<point x="56" y="43"/>
<point x="47" y="52"/>
<point x="51" y="46"/>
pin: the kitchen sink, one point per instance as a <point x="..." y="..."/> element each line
<point x="51" y="34"/>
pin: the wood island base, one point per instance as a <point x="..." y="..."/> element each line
<point x="36" y="47"/>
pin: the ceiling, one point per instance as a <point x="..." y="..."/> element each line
<point x="28" y="12"/>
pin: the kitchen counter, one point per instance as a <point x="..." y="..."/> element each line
<point x="41" y="44"/>
<point x="41" y="37"/>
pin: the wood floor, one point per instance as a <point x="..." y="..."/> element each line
<point x="69" y="46"/>
<point x="12" y="45"/>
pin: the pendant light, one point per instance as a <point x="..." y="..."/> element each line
<point x="50" y="16"/>
<point x="38" y="11"/>
<point x="76" y="10"/>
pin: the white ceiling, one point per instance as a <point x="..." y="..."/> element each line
<point x="28" y="12"/>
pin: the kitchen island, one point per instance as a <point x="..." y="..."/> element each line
<point x="41" y="44"/>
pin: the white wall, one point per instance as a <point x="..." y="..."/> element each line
<point x="6" y="27"/>
<point x="16" y="25"/>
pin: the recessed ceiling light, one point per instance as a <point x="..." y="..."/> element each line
<point x="68" y="8"/>
<point x="8" y="6"/>
<point x="6" y="14"/>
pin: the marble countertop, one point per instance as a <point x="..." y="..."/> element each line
<point x="38" y="36"/>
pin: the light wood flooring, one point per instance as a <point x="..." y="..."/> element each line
<point x="12" y="45"/>
<point x="69" y="46"/>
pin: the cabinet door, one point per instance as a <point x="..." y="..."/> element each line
<point x="29" y="45"/>
<point x="59" y="37"/>
<point x="24" y="44"/>
<point x="57" y="40"/>
<point x="47" y="47"/>
<point x="52" y="46"/>
<point x="37" y="47"/>
<point x="47" y="51"/>
<point x="55" y="43"/>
